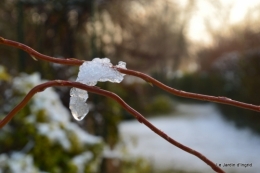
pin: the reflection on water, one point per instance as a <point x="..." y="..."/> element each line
<point x="201" y="128"/>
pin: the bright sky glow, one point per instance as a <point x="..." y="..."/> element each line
<point x="205" y="10"/>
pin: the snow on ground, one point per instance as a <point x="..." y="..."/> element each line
<point x="199" y="127"/>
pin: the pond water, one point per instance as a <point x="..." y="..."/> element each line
<point x="199" y="127"/>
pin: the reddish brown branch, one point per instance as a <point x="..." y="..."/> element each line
<point x="71" y="61"/>
<point x="96" y="90"/>
<point x="222" y="100"/>
<point x="34" y="53"/>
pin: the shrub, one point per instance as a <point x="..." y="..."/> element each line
<point x="43" y="137"/>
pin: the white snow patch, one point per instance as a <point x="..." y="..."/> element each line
<point x="83" y="136"/>
<point x="199" y="127"/>
<point x="58" y="117"/>
<point x="90" y="72"/>
<point x="57" y="127"/>
<point x="81" y="160"/>
<point x="112" y="153"/>
<point x="24" y="82"/>
<point x="54" y="133"/>
<point x="17" y="163"/>
<point x="47" y="100"/>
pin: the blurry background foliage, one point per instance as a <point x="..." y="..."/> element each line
<point x="235" y="64"/>
<point x="43" y="130"/>
<point x="84" y="30"/>
<point x="118" y="29"/>
<point x="150" y="36"/>
<point x="231" y="68"/>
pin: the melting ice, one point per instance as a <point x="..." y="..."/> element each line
<point x="90" y="72"/>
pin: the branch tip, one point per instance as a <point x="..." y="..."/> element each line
<point x="2" y="39"/>
<point x="34" y="57"/>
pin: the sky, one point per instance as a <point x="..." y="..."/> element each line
<point x="205" y="10"/>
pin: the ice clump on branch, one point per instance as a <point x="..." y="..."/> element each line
<point x="90" y="72"/>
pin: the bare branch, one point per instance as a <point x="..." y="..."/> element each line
<point x="72" y="61"/>
<point x="37" y="55"/>
<point x="218" y="99"/>
<point x="96" y="90"/>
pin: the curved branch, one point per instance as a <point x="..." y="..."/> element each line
<point x="222" y="100"/>
<point x="34" y="53"/>
<point x="96" y="90"/>
<point x="72" y="61"/>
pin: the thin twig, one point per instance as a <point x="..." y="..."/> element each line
<point x="96" y="90"/>
<point x="222" y="100"/>
<point x="35" y="54"/>
<point x="72" y="61"/>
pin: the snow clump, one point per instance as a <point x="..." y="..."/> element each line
<point x="90" y="72"/>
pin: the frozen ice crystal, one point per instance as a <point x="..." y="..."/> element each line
<point x="75" y="92"/>
<point x="90" y="72"/>
<point x="78" y="107"/>
<point x="121" y="64"/>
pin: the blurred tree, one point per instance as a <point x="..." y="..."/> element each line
<point x="233" y="60"/>
<point x="52" y="27"/>
<point x="148" y="35"/>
